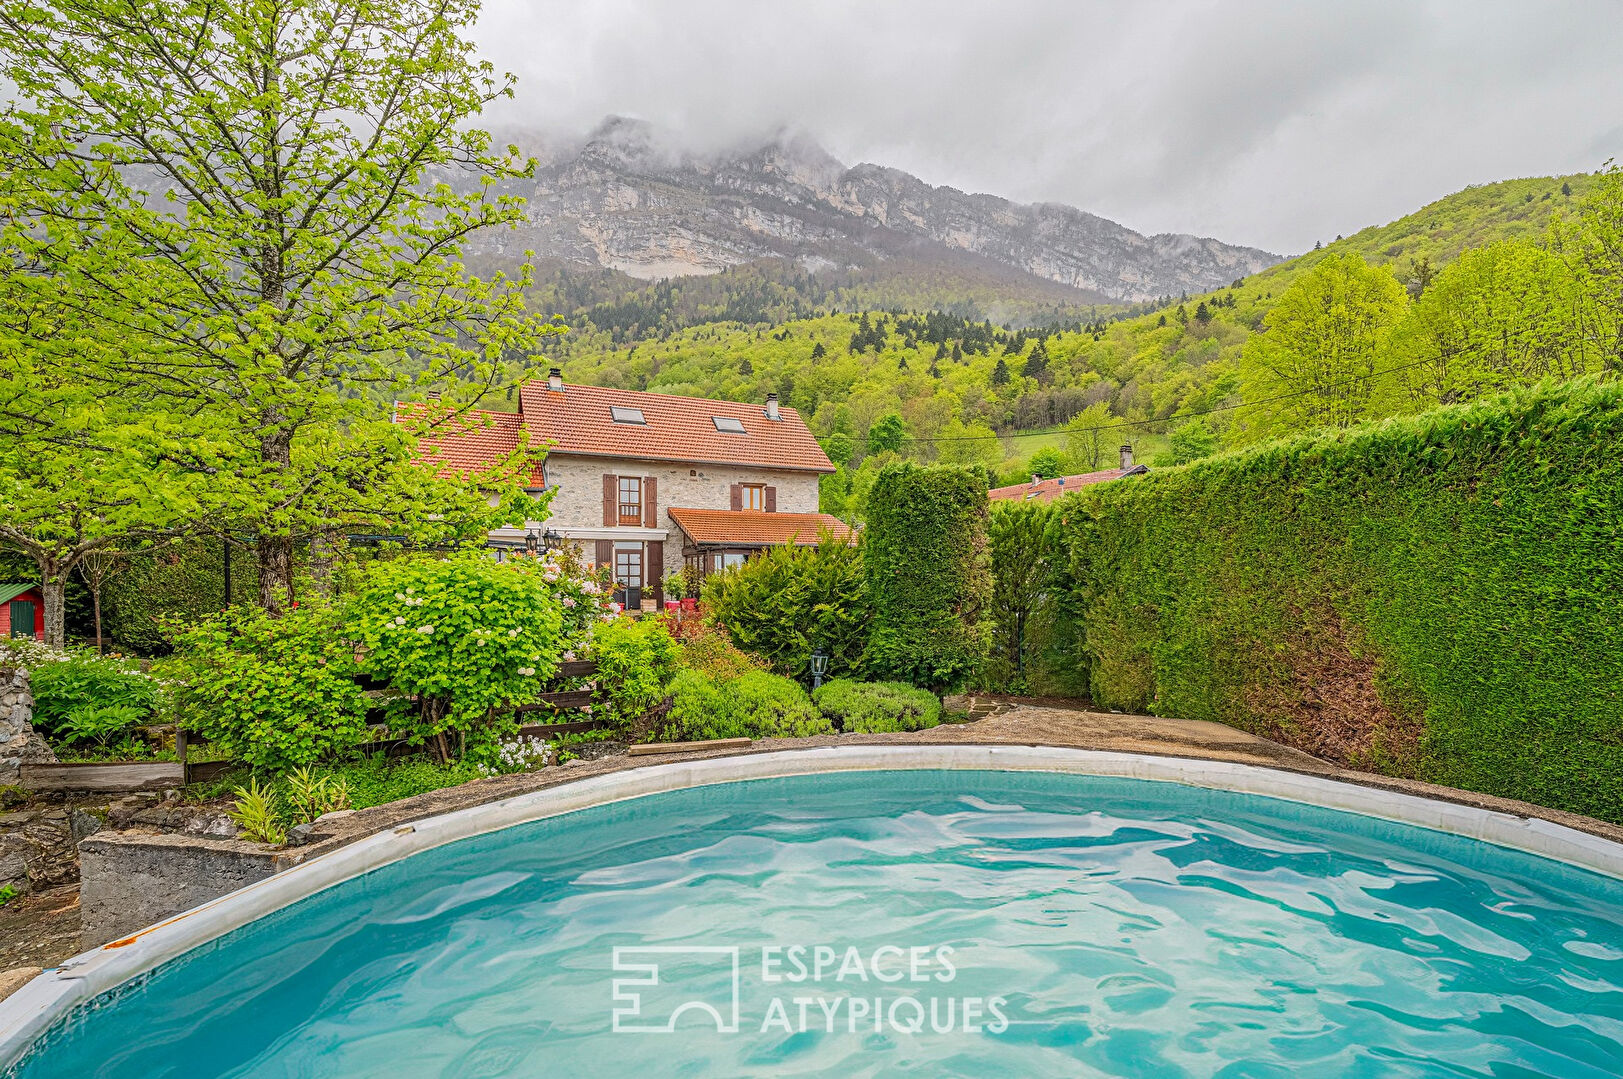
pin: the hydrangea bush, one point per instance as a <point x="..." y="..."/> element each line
<point x="468" y="637"/>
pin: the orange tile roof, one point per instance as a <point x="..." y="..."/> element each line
<point x="1049" y="490"/>
<point x="754" y="528"/>
<point x="466" y="443"/>
<point x="577" y="420"/>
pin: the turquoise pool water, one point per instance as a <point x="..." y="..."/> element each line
<point x="989" y="923"/>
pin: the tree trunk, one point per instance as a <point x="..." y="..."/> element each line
<point x="275" y="571"/>
<point x="54" y="586"/>
<point x="95" y="602"/>
<point x="275" y="548"/>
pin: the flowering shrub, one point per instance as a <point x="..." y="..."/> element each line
<point x="521" y="753"/>
<point x="276" y="692"/>
<point x="468" y="637"/>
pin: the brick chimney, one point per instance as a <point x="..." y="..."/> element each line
<point x="555" y="380"/>
<point x="772" y="407"/>
<point x="1126" y="457"/>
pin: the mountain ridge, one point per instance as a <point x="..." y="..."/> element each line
<point x="623" y="199"/>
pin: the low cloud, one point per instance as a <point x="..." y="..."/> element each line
<point x="1262" y="122"/>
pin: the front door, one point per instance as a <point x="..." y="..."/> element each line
<point x="22" y="618"/>
<point x="628" y="575"/>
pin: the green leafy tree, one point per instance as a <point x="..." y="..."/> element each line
<point x="968" y="444"/>
<point x="1048" y="463"/>
<point x="1592" y="244"/>
<point x="1022" y="550"/>
<point x="1499" y="316"/>
<point x="1088" y="436"/>
<point x="260" y="205"/>
<point x="1189" y="441"/>
<point x="887" y="433"/>
<point x="1318" y="361"/>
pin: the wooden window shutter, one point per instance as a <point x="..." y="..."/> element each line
<point x="605" y="553"/>
<point x="611" y="500"/>
<point x="654" y="572"/>
<point x="650" y="502"/>
<point x="737" y="496"/>
<point x="769" y="501"/>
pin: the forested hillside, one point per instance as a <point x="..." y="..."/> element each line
<point x="1408" y="314"/>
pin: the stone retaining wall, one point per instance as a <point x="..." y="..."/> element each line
<point x="19" y="742"/>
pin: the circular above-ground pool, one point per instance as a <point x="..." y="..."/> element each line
<point x="972" y="922"/>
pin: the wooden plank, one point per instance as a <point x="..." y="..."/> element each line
<point x="208" y="771"/>
<point x="571" y="698"/>
<point x="111" y="776"/>
<point x="686" y="747"/>
<point x="576" y="668"/>
<point x="545" y="730"/>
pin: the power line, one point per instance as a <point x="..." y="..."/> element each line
<point x="1180" y="416"/>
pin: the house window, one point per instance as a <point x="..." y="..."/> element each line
<point x="626" y="415"/>
<point x="628" y="573"/>
<point x="730" y="560"/>
<point x="630" y="500"/>
<point x="728" y="424"/>
<point x="755" y="496"/>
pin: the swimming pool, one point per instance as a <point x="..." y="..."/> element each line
<point x="940" y="922"/>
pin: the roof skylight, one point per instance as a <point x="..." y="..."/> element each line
<point x="626" y="415"/>
<point x="728" y="424"/>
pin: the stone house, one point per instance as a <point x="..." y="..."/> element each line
<point x="651" y="484"/>
<point x="1056" y="487"/>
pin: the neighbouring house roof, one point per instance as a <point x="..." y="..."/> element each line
<point x="755" y="528"/>
<point x="1049" y="490"/>
<point x="9" y="592"/>
<point x="578" y="421"/>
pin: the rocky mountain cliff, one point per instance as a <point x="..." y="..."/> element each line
<point x="620" y="199"/>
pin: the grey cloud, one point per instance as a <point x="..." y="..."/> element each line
<point x="1262" y="122"/>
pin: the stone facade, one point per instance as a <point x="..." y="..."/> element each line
<point x="576" y="511"/>
<point x="18" y="740"/>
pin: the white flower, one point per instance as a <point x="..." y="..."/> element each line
<point x="425" y="629"/>
<point x="526" y="671"/>
<point x="569" y="657"/>
<point x="399" y="619"/>
<point x="512" y="633"/>
<point x="400" y="596"/>
<point x="569" y="601"/>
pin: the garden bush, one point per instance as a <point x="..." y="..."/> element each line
<point x="877" y="707"/>
<point x="1438" y="595"/>
<point x="1035" y="646"/>
<point x="465" y="635"/>
<point x="276" y="693"/>
<point x="177" y="583"/>
<point x="636" y="660"/>
<point x="753" y="705"/>
<point x="925" y="551"/>
<point x="788" y="601"/>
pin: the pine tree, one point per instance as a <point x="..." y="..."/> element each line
<point x="1000" y="373"/>
<point x="818" y="351"/>
<point x="1203" y="315"/>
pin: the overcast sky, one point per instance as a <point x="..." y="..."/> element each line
<point x="1273" y="124"/>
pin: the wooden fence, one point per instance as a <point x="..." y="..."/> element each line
<point x="123" y="776"/>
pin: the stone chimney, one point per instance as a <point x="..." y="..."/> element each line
<point x="1035" y="479"/>
<point x="555" y="380"/>
<point x="1126" y="457"/>
<point x="772" y="407"/>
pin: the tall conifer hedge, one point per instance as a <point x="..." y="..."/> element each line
<point x="1439" y="595"/>
<point x="925" y="549"/>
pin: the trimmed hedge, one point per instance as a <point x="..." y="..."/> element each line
<point x="925" y="549"/>
<point x="878" y="707"/>
<point x="1439" y="595"/>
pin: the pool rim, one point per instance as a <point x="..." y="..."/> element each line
<point x="34" y="1009"/>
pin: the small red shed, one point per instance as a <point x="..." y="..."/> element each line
<point x="22" y="611"/>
